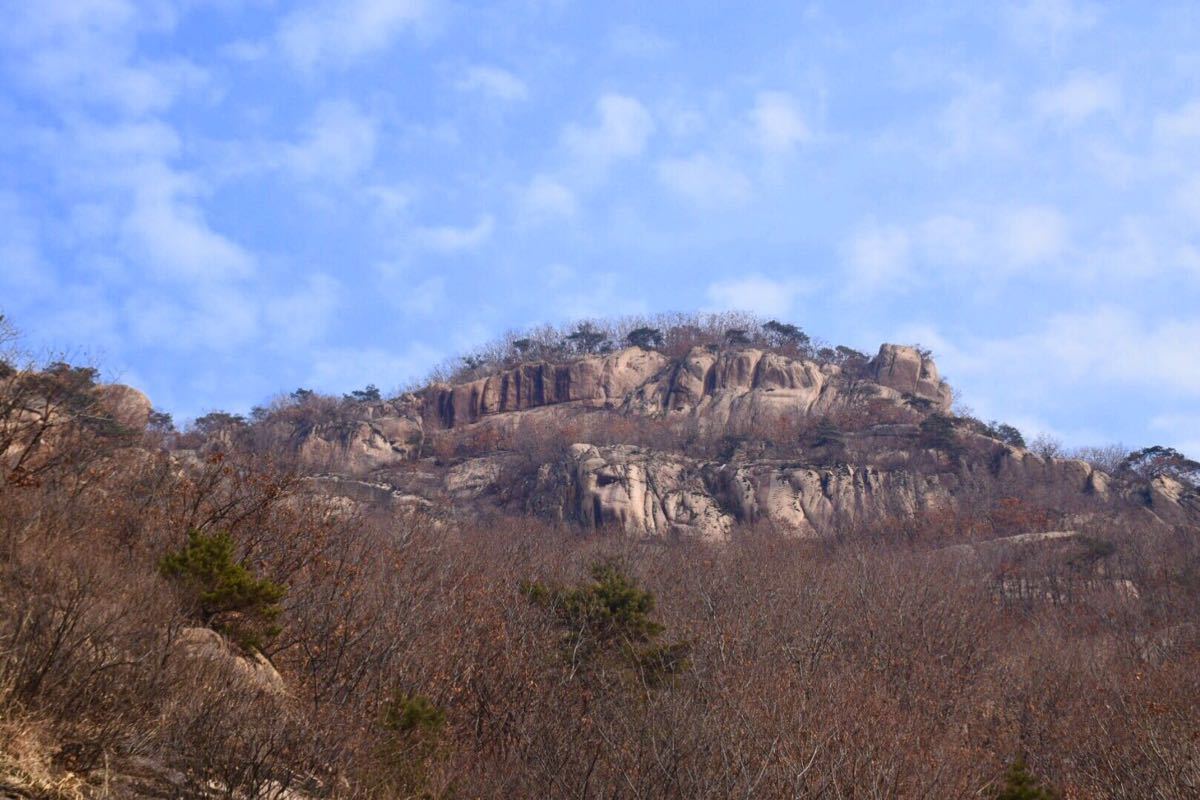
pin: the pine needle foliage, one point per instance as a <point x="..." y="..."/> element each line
<point x="607" y="621"/>
<point x="224" y="593"/>
<point x="1020" y="784"/>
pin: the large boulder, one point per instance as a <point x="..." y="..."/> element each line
<point x="911" y="372"/>
<point x="127" y="405"/>
<point x="364" y="445"/>
<point x="209" y="651"/>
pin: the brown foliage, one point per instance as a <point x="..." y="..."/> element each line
<point x="862" y="666"/>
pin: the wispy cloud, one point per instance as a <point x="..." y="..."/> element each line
<point x="450" y="239"/>
<point x="1079" y="97"/>
<point x="704" y="181"/>
<point x="877" y="258"/>
<point x="331" y="34"/>
<point x="338" y="143"/>
<point x="545" y="199"/>
<point x="778" y="124"/>
<point x="757" y="294"/>
<point x="622" y="128"/>
<point x="1049" y="22"/>
<point x="494" y="82"/>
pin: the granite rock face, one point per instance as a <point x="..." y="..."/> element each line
<point x="360" y="446"/>
<point x="910" y="371"/>
<point x="726" y="387"/>
<point x="601" y="381"/>
<point x="659" y="494"/>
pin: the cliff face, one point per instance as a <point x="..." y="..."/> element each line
<point x="728" y="389"/>
<point x="642" y="491"/>
<point x="728" y="386"/>
<point x="592" y="380"/>
<point x="878" y="471"/>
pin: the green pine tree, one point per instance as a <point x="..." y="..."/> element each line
<point x="225" y="595"/>
<point x="1020" y="784"/>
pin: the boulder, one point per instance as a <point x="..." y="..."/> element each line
<point x="909" y="371"/>
<point x="208" y="649"/>
<point x="127" y="405"/>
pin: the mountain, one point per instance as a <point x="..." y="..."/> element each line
<point x="694" y="446"/>
<point x="720" y="561"/>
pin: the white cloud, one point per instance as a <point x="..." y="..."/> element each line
<point x="974" y="123"/>
<point x="1002" y="242"/>
<point x="1182" y="429"/>
<point x="1079" y="97"/>
<point x="168" y="232"/>
<point x="778" y="124"/>
<point x="498" y="83"/>
<point x="951" y="240"/>
<point x="1188" y="259"/>
<point x="704" y="181"/>
<point x="425" y="298"/>
<point x="602" y="294"/>
<point x="545" y="199"/>
<point x="211" y="317"/>
<point x="635" y="42"/>
<point x="1187" y="198"/>
<point x="83" y="53"/>
<point x="337" y="32"/>
<point x="341" y="369"/>
<point x="339" y="143"/>
<point x="24" y="271"/>
<point x="1181" y="124"/>
<point x="757" y="294"/>
<point x="391" y="203"/>
<point x="449" y="239"/>
<point x="1109" y="346"/>
<point x="302" y="316"/>
<point x="623" y="128"/>
<point x="878" y="258"/>
<point x="1038" y="22"/>
<point x="1032" y="235"/>
<point x="1093" y="354"/>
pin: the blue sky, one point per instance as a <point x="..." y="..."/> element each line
<point x="221" y="200"/>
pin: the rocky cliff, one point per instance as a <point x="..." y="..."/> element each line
<point x="726" y="389"/>
<point x="472" y="442"/>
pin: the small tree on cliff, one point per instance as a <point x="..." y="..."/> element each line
<point x="937" y="433"/>
<point x="783" y="334"/>
<point x="1156" y="461"/>
<point x="737" y="337"/>
<point x="586" y="339"/>
<point x="645" y="338"/>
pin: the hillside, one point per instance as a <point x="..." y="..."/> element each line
<point x="722" y="435"/>
<point x="647" y="561"/>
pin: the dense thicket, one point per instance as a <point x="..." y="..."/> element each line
<point x="400" y="656"/>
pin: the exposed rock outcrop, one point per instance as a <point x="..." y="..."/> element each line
<point x="128" y="406"/>
<point x="659" y="494"/>
<point x="726" y="387"/>
<point x="594" y="380"/>
<point x="635" y="490"/>
<point x="912" y="372"/>
<point x="361" y="446"/>
<point x="751" y="403"/>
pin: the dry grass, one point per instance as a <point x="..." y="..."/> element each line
<point x="26" y="767"/>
